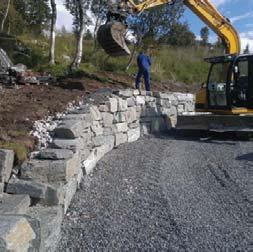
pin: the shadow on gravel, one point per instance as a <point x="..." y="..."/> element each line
<point x="246" y="157"/>
<point x="202" y="137"/>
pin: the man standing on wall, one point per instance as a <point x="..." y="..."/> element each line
<point x="144" y="64"/>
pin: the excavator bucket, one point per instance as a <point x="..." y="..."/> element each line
<point x="111" y="37"/>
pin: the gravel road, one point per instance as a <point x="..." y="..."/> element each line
<point x="162" y="194"/>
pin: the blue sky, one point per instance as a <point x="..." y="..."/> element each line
<point x="240" y="12"/>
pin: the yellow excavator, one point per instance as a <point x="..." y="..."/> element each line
<point x="225" y="102"/>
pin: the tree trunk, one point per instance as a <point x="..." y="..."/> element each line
<point x="5" y="15"/>
<point x="97" y="25"/>
<point x="52" y="33"/>
<point x="79" y="47"/>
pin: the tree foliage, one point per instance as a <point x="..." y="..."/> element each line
<point x="204" y="34"/>
<point x="179" y="35"/>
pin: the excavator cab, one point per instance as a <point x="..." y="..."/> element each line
<point x="229" y="85"/>
<point x="228" y="105"/>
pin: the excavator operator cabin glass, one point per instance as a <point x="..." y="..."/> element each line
<point x="241" y="82"/>
<point x="217" y="84"/>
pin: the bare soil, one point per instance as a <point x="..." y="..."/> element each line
<point x="20" y="108"/>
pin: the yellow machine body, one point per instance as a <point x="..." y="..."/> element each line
<point x="209" y="14"/>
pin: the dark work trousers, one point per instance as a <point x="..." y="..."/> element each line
<point x="143" y="72"/>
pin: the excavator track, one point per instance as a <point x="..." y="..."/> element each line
<point x="241" y="125"/>
<point x="111" y="37"/>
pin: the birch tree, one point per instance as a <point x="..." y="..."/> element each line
<point x="5" y="14"/>
<point x="79" y="8"/>
<point x="99" y="8"/>
<point x="52" y="33"/>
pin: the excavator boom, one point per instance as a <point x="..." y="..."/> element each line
<point x="204" y="9"/>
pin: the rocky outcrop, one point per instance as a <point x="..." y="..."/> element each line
<point x="50" y="178"/>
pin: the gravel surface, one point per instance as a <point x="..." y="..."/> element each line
<point x="162" y="194"/>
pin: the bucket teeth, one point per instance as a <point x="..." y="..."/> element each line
<point x="111" y="37"/>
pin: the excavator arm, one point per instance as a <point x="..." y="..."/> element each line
<point x="204" y="9"/>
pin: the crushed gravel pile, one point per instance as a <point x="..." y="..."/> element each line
<point x="162" y="194"/>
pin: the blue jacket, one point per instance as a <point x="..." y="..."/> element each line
<point x="143" y="61"/>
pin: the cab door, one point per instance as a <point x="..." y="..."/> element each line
<point x="243" y="90"/>
<point x="250" y="87"/>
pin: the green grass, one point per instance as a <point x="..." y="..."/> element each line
<point x="169" y="63"/>
<point x="19" y="149"/>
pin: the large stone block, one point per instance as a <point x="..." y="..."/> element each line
<point x="107" y="119"/>
<point x="120" y="138"/>
<point x="70" y="129"/>
<point x="131" y="115"/>
<point x="69" y="144"/>
<point x="6" y="164"/>
<point x="164" y="102"/>
<point x="16" y="233"/>
<point x="131" y="102"/>
<point x="134" y="125"/>
<point x="163" y="95"/>
<point x="125" y="93"/>
<point x="95" y="113"/>
<point x="32" y="188"/>
<point x="90" y="163"/>
<point x="119" y="117"/>
<point x="122" y="104"/>
<point x="103" y="108"/>
<point x="136" y="92"/>
<point x="112" y="104"/>
<point x="78" y="117"/>
<point x="181" y="108"/>
<point x="95" y="155"/>
<point x="69" y="190"/>
<point x="120" y="127"/>
<point x="55" y="154"/>
<point x="51" y="171"/>
<point x="133" y="134"/>
<point x="47" y="194"/>
<point x="97" y="128"/>
<point x="49" y="228"/>
<point x="1" y="191"/>
<point x="102" y="140"/>
<point x="14" y="204"/>
<point x="140" y="100"/>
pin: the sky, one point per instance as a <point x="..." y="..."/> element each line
<point x="240" y="13"/>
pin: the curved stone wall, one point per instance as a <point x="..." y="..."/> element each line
<point x="45" y="184"/>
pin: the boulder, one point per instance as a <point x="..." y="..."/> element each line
<point x="14" y="204"/>
<point x="70" y="129"/>
<point x="49" y="228"/>
<point x="6" y="164"/>
<point x="112" y="105"/>
<point x="120" y="138"/>
<point x="133" y="134"/>
<point x="47" y="194"/>
<point x="107" y="119"/>
<point x="55" y="154"/>
<point x="48" y="171"/>
<point x="16" y="233"/>
<point x="95" y="113"/>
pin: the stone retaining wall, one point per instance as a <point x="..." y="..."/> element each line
<point x="37" y="197"/>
